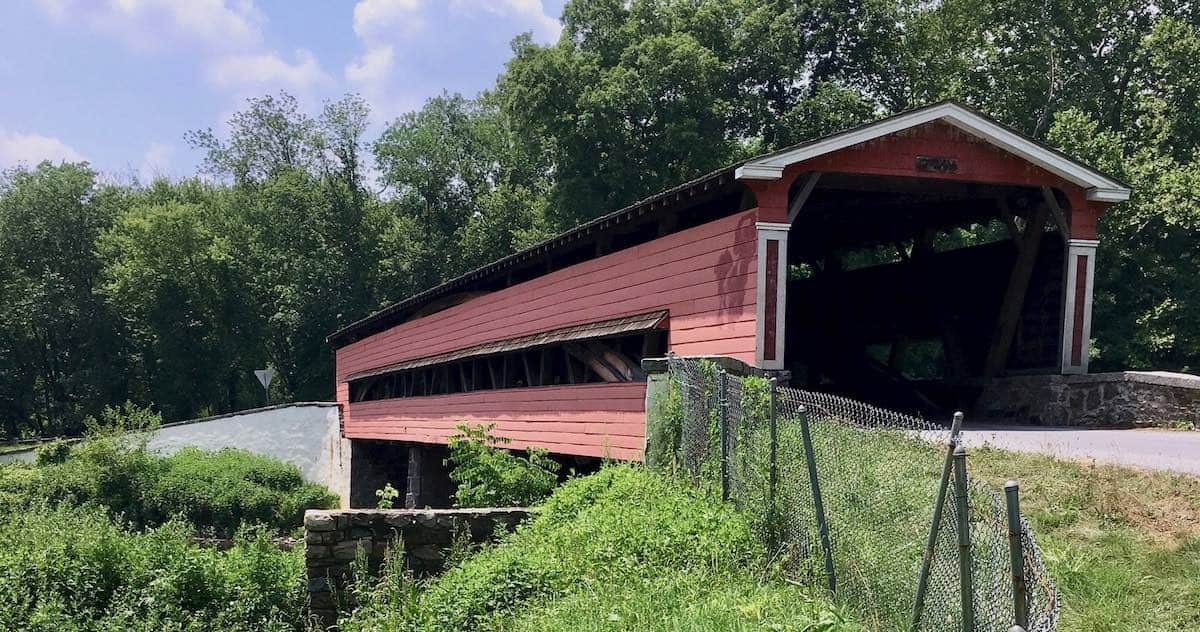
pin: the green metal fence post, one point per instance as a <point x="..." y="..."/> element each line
<point x="963" y="519"/>
<point x="723" y="416"/>
<point x="939" y="505"/>
<point x="823" y="527"/>
<point x="773" y="464"/>
<point x="1012" y="493"/>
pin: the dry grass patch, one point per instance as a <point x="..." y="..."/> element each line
<point x="1123" y="544"/>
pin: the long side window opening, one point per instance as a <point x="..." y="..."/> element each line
<point x="589" y="361"/>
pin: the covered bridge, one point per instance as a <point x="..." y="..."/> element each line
<point x="905" y="262"/>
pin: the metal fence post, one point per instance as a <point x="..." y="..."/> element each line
<point x="1012" y="493"/>
<point x="811" y="458"/>
<point x="723" y="416"/>
<point x="939" y="505"/>
<point x="963" y="518"/>
<point x="773" y="463"/>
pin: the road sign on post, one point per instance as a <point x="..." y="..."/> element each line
<point x="264" y="377"/>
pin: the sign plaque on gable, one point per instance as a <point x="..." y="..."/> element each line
<point x="937" y="164"/>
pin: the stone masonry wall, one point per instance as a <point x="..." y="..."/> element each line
<point x="1125" y="399"/>
<point x="333" y="538"/>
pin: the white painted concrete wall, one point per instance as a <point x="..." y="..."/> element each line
<point x="306" y="434"/>
<point x="18" y="456"/>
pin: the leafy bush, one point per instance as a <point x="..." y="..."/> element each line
<point x="227" y="488"/>
<point x="216" y="491"/>
<point x="490" y="476"/>
<point x="52" y="453"/>
<point x="114" y="471"/>
<point x="76" y="569"/>
<point x="620" y="549"/>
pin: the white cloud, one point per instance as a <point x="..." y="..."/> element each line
<point x="267" y="70"/>
<point x="157" y="24"/>
<point x="414" y="48"/>
<point x="544" y="27"/>
<point x="373" y="17"/>
<point x="377" y="23"/>
<point x="373" y="66"/>
<point x="156" y="162"/>
<point x="17" y="148"/>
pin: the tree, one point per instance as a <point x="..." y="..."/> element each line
<point x="463" y="192"/>
<point x="173" y="271"/>
<point x="60" y="346"/>
<point x="305" y="232"/>
<point x="619" y="106"/>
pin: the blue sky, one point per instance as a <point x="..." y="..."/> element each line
<point x="118" y="82"/>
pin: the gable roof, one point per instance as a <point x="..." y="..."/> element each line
<point x="1099" y="187"/>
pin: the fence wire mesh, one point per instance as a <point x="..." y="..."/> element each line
<point x="856" y="516"/>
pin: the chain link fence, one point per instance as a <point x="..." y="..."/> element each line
<point x="862" y="501"/>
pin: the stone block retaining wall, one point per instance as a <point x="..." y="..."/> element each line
<point x="332" y="540"/>
<point x="1124" y="399"/>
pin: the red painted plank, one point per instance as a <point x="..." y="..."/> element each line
<point x="610" y="298"/>
<point x="677" y="274"/>
<point x="598" y="451"/>
<point x="729" y="256"/>
<point x="582" y="419"/>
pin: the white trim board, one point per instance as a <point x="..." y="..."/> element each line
<point x="1099" y="186"/>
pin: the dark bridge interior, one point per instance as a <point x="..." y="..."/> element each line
<point x="900" y="289"/>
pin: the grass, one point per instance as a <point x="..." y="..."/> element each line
<point x="1123" y="544"/>
<point x="76" y="569"/>
<point x="623" y="549"/>
<point x="99" y="536"/>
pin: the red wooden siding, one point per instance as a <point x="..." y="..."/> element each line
<point x="601" y="420"/>
<point x="704" y="276"/>
<point x="896" y="155"/>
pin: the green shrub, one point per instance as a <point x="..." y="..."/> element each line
<point x="490" y="476"/>
<point x="227" y="488"/>
<point x="76" y="569"/>
<point x="216" y="491"/>
<point x="604" y="545"/>
<point x="52" y="453"/>
<point x="112" y="471"/>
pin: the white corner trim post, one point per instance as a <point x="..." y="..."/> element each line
<point x="1077" y="304"/>
<point x="771" y="295"/>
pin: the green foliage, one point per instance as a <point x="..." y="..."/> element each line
<point x="75" y="569"/>
<point x="63" y="354"/>
<point x="664" y="428"/>
<point x="215" y="491"/>
<point x="173" y="269"/>
<point x="74" y="561"/>
<point x="225" y="489"/>
<point x="387" y="496"/>
<point x="491" y="476"/>
<point x="621" y="549"/>
<point x="52" y="453"/>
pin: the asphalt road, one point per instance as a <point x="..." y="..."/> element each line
<point x="1177" y="451"/>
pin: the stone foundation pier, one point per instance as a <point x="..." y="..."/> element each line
<point x="333" y="538"/>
